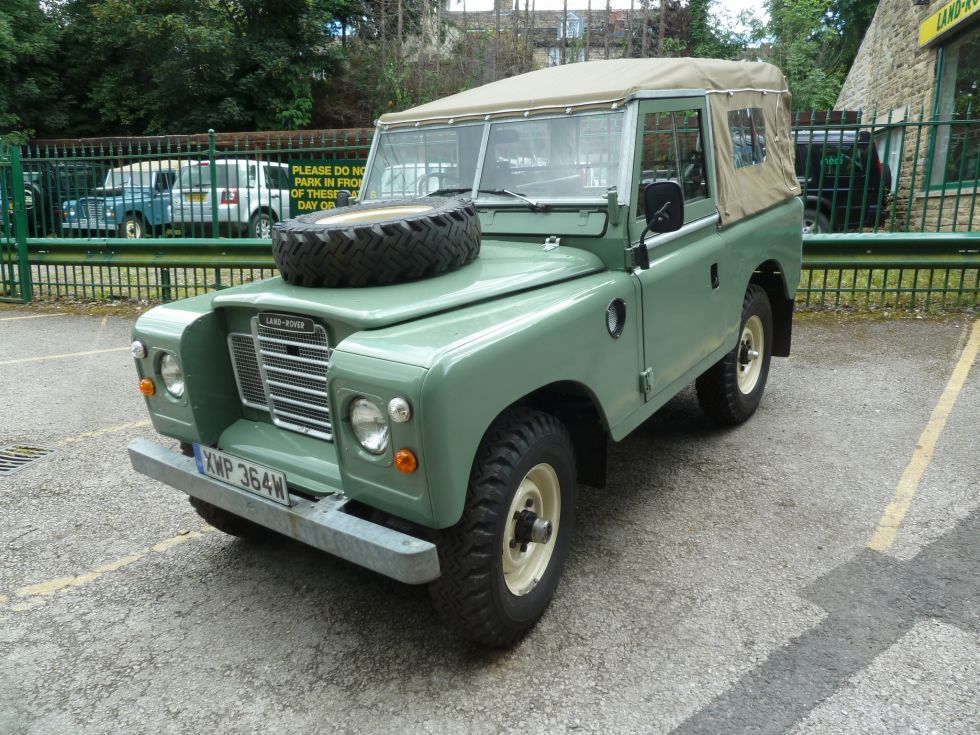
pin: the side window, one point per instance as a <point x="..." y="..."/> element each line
<point x="748" y="130"/>
<point x="252" y="176"/>
<point x="276" y="177"/>
<point x="673" y="150"/>
<point x="165" y="180"/>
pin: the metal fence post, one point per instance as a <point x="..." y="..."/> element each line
<point x="212" y="154"/>
<point x="20" y="225"/>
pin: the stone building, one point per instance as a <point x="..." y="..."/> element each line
<point x="915" y="80"/>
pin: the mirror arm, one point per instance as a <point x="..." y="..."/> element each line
<point x="641" y="256"/>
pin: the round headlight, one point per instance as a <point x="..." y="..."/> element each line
<point x="173" y="376"/>
<point x="369" y="425"/>
<point x="138" y="349"/>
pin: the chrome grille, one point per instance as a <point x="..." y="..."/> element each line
<point x="246" y="366"/>
<point x="93" y="209"/>
<point x="284" y="373"/>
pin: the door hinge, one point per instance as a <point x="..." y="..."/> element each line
<point x="646" y="382"/>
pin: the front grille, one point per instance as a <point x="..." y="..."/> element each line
<point x="246" y="366"/>
<point x="93" y="209"/>
<point x="285" y="373"/>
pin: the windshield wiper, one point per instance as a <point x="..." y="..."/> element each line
<point x="535" y="205"/>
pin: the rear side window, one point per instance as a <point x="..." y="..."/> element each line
<point x="276" y="177"/>
<point x="748" y="130"/>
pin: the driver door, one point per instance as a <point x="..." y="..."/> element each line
<point x="681" y="294"/>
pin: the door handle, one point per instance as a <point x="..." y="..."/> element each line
<point x="715" y="281"/>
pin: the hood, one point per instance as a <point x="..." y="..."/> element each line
<point x="501" y="269"/>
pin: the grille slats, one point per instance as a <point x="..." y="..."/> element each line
<point x="285" y="373"/>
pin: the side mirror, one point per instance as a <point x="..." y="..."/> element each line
<point x="663" y="202"/>
<point x="343" y="198"/>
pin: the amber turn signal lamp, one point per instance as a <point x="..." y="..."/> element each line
<point x="147" y="388"/>
<point x="405" y="461"/>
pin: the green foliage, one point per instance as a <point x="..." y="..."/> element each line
<point x="28" y="81"/>
<point x="814" y="42"/>
<point x="709" y="39"/>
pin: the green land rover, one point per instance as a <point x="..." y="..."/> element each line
<point x="531" y="269"/>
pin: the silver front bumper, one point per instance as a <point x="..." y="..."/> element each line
<point x="322" y="524"/>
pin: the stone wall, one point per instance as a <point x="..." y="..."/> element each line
<point x="890" y="70"/>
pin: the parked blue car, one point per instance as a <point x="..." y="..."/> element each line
<point x="135" y="202"/>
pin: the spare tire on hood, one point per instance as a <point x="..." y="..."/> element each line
<point x="377" y="243"/>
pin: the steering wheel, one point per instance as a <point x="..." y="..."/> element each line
<point x="445" y="179"/>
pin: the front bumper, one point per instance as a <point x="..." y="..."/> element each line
<point x="322" y="524"/>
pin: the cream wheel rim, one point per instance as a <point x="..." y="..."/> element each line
<point x="525" y="564"/>
<point x="750" y="350"/>
<point x="369" y="215"/>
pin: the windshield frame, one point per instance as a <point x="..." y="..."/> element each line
<point x="485" y="198"/>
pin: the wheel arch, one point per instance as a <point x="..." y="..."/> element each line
<point x="578" y="409"/>
<point x="770" y="276"/>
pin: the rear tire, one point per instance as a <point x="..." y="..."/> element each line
<point x="230" y="523"/>
<point x="730" y="390"/>
<point x="494" y="587"/>
<point x="815" y="222"/>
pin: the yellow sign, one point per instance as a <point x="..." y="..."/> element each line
<point x="949" y="16"/>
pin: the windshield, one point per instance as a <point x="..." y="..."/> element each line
<point x="118" y="178"/>
<point x="411" y="163"/>
<point x="198" y="175"/>
<point x="571" y="157"/>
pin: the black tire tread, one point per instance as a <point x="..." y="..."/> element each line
<point x="377" y="253"/>
<point x="463" y="592"/>
<point x="717" y="387"/>
<point x="228" y="522"/>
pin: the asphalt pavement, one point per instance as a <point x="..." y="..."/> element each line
<point x="816" y="570"/>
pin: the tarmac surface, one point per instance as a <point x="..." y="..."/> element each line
<point x="724" y="582"/>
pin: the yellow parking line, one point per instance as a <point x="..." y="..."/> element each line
<point x="32" y="316"/>
<point x="891" y="519"/>
<point x="21" y="360"/>
<point x="31" y="596"/>
<point x="100" y="432"/>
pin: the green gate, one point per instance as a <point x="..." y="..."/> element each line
<point x="15" y="273"/>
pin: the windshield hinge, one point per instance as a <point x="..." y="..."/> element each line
<point x="646" y="382"/>
<point x="551" y="242"/>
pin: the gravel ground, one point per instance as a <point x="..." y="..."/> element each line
<point x="721" y="583"/>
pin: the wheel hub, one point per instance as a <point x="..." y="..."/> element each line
<point x="751" y="347"/>
<point x="531" y="523"/>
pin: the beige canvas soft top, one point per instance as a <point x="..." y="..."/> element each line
<point x="730" y="85"/>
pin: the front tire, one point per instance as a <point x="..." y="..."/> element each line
<point x="132" y="227"/>
<point x="228" y="522"/>
<point x="730" y="390"/>
<point x="496" y="580"/>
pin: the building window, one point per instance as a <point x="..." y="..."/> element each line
<point x="748" y="130"/>
<point x="956" y="156"/>
<point x="575" y="26"/>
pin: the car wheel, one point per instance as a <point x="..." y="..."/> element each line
<point x="730" y="390"/>
<point x="502" y="561"/>
<point x="815" y="222"/>
<point x="132" y="227"/>
<point x="230" y="523"/>
<point x="260" y="226"/>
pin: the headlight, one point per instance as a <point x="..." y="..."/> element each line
<point x="369" y="425"/>
<point x="173" y="376"/>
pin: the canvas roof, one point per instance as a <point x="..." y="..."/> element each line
<point x="595" y="82"/>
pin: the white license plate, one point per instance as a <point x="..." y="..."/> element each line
<point x="243" y="474"/>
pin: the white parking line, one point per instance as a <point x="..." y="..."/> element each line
<point x="21" y="360"/>
<point x="32" y="316"/>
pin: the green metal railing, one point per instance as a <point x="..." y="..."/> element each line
<point x="894" y="237"/>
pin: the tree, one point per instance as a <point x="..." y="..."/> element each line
<point x="30" y="89"/>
